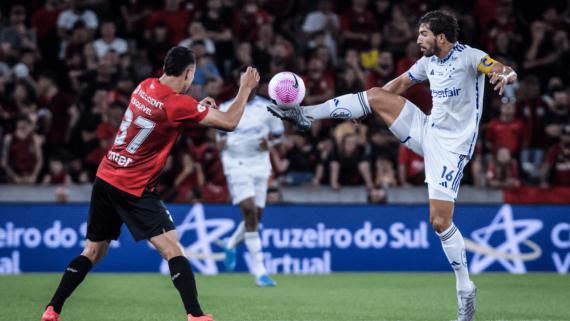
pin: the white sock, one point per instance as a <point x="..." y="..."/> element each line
<point x="238" y="237"/>
<point x="454" y="249"/>
<point x="348" y="106"/>
<point x="253" y="243"/>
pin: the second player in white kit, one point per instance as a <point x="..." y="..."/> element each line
<point x="247" y="168"/>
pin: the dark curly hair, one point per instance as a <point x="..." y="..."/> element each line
<point x="177" y="59"/>
<point x="439" y="22"/>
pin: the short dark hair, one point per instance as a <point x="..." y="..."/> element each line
<point x="441" y="21"/>
<point x="177" y="60"/>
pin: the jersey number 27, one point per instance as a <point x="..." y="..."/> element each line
<point x="146" y="128"/>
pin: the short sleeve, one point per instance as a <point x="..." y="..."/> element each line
<point x="181" y="108"/>
<point x="418" y="71"/>
<point x="471" y="58"/>
<point x="276" y="125"/>
<point x="62" y="20"/>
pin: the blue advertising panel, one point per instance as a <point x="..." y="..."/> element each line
<point x="302" y="239"/>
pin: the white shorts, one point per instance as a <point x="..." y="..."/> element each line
<point x="243" y="187"/>
<point x="444" y="169"/>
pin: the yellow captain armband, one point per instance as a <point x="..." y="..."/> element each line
<point x="486" y="64"/>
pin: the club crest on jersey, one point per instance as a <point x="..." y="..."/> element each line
<point x="201" y="108"/>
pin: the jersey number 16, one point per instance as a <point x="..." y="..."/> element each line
<point x="146" y="128"/>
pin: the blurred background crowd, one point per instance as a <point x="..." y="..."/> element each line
<point x="68" y="68"/>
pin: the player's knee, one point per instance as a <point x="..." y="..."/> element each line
<point x="95" y="252"/>
<point x="439" y="223"/>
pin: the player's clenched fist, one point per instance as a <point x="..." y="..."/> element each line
<point x="249" y="78"/>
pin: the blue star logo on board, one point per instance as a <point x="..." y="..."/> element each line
<point x="508" y="253"/>
<point x="207" y="231"/>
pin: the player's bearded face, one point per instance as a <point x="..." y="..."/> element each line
<point x="427" y="42"/>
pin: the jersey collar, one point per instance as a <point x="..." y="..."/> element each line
<point x="455" y="47"/>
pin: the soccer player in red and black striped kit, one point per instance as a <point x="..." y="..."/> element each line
<point x="125" y="188"/>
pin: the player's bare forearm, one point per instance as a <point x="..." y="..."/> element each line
<point x="229" y="120"/>
<point x="502" y="76"/>
<point x="399" y="85"/>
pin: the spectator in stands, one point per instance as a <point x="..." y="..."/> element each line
<point x="397" y="31"/>
<point x="381" y="12"/>
<point x="208" y="155"/>
<point x="384" y="73"/>
<point x="248" y="21"/>
<point x="67" y="19"/>
<point x="532" y="109"/>
<point x="57" y="174"/>
<point x="352" y="61"/>
<point x="319" y="86"/>
<point x="44" y="24"/>
<point x="556" y="168"/>
<point x="134" y="13"/>
<point x="412" y="55"/>
<point x="205" y="68"/>
<point x="540" y="58"/>
<point x="65" y="113"/>
<point x="557" y="116"/>
<point x="175" y="20"/>
<point x="502" y="169"/>
<point x="411" y="168"/>
<point x="303" y="162"/>
<point x="350" y="166"/>
<point x="506" y="131"/>
<point x="323" y="21"/>
<point x="370" y="57"/>
<point x="357" y="24"/>
<point x="22" y="157"/>
<point x="196" y="32"/>
<point x="242" y="59"/>
<point x="384" y="155"/>
<point x="159" y="46"/>
<point x="109" y="41"/>
<point x="218" y="22"/>
<point x="16" y="36"/>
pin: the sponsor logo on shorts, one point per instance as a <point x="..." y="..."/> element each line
<point x="341" y="113"/>
<point x="201" y="108"/>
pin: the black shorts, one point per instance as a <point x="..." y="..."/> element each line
<point x="145" y="216"/>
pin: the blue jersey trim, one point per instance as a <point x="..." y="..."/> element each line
<point x="414" y="79"/>
<point x="405" y="140"/>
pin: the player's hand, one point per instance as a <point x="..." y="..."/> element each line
<point x="250" y="78"/>
<point x="209" y="102"/>
<point x="501" y="80"/>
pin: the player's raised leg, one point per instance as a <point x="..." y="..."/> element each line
<point x="351" y="106"/>
<point x="181" y="273"/>
<point x="75" y="273"/>
<point x="441" y="218"/>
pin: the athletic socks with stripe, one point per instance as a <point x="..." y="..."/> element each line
<point x="454" y="248"/>
<point x="345" y="107"/>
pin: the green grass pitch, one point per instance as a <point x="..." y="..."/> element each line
<point x="339" y="296"/>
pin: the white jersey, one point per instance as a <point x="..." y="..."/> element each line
<point x="457" y="92"/>
<point x="242" y="154"/>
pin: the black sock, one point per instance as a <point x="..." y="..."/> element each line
<point x="183" y="279"/>
<point x="72" y="277"/>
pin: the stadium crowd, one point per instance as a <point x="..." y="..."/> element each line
<point x="68" y="68"/>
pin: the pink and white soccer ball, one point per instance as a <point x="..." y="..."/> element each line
<point x="286" y="90"/>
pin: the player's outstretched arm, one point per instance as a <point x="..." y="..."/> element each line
<point x="500" y="74"/>
<point x="228" y="121"/>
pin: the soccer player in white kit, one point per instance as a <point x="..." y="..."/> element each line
<point x="245" y="157"/>
<point x="445" y="139"/>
